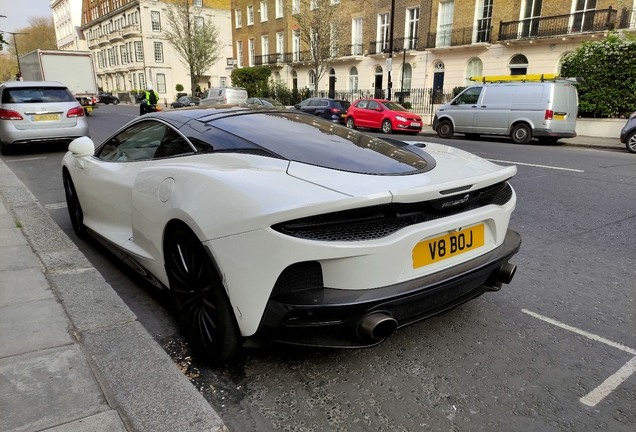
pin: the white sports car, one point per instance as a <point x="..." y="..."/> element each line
<point x="272" y="225"/>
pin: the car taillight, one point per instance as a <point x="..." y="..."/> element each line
<point x="334" y="110"/>
<point x="9" y="115"/>
<point x="549" y="115"/>
<point x="78" y="111"/>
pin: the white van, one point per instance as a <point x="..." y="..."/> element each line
<point x="522" y="110"/>
<point x="224" y="95"/>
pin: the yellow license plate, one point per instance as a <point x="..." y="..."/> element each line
<point x="88" y="109"/>
<point x="559" y="117"/>
<point x="46" y="117"/>
<point x="447" y="246"/>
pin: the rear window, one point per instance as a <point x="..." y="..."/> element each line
<point x="300" y="138"/>
<point x="37" y="95"/>
<point x="343" y="105"/>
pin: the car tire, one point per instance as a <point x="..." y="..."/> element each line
<point x="351" y="124"/>
<point x="521" y="134"/>
<point x="73" y="205"/>
<point x="445" y="129"/>
<point x="199" y="295"/>
<point x="630" y="142"/>
<point x="387" y="127"/>
<point x="5" y="150"/>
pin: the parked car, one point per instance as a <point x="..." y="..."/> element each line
<point x="628" y="133"/>
<point x="107" y="98"/>
<point x="369" y="234"/>
<point x="521" y="110"/>
<point x="383" y="114"/>
<point x="265" y="102"/>
<point x="185" y="101"/>
<point x="224" y="95"/>
<point x="38" y="112"/>
<point x="330" y="109"/>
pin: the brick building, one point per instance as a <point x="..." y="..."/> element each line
<point x="436" y="44"/>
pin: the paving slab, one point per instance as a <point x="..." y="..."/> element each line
<point x="58" y="383"/>
<point x="17" y="258"/>
<point x="11" y="237"/>
<point x="108" y="421"/>
<point x="23" y="286"/>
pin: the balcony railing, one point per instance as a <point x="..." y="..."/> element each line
<point x="463" y="36"/>
<point x="627" y="19"/>
<point x="399" y="44"/>
<point x="559" y="25"/>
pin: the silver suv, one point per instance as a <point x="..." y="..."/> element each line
<point x="38" y="111"/>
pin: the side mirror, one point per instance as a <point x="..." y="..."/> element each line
<point x="82" y="146"/>
<point x="378" y="109"/>
<point x="297" y="106"/>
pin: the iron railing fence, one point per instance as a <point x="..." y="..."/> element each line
<point x="399" y="45"/>
<point x="578" y="22"/>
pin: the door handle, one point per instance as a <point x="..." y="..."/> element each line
<point x="483" y="106"/>
<point x="474" y="106"/>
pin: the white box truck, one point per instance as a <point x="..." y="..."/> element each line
<point x="74" y="69"/>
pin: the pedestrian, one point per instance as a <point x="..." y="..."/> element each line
<point x="150" y="99"/>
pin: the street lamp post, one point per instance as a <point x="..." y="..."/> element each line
<point x="15" y="44"/>
<point x="390" y="84"/>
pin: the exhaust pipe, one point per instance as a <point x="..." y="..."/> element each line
<point x="377" y="326"/>
<point x="506" y="273"/>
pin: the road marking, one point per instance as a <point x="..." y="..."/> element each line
<point x="24" y="159"/>
<point x="538" y="166"/>
<point x="611" y="383"/>
<point x="55" y="206"/>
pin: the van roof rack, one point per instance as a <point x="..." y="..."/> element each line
<point x="516" y="78"/>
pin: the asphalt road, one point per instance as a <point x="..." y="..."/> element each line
<point x="553" y="351"/>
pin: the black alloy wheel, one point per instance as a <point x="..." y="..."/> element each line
<point x="74" y="208"/>
<point x="201" y="302"/>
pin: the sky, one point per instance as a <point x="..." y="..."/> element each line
<point x="17" y="12"/>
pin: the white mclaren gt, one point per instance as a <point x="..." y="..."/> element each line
<point x="269" y="225"/>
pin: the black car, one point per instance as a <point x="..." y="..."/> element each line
<point x="107" y="98"/>
<point x="185" y="101"/>
<point x="330" y="109"/>
<point x="628" y="133"/>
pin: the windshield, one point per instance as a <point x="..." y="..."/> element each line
<point x="394" y="106"/>
<point x="37" y="95"/>
<point x="302" y="138"/>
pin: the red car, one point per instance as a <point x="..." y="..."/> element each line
<point x="382" y="114"/>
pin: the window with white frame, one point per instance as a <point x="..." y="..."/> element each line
<point x="279" y="8"/>
<point x="313" y="4"/>
<point x="280" y="47"/>
<point x="407" y="74"/>
<point x="412" y="28"/>
<point x="250" y="15"/>
<point x="111" y="57"/>
<point x="124" y="54"/>
<point x="250" y="47"/>
<point x="223" y="81"/>
<point x="198" y="3"/>
<point x="583" y="19"/>
<point x="237" y="18"/>
<point x="263" y="11"/>
<point x="295" y="7"/>
<point x="353" y="79"/>
<point x="142" y="81"/>
<point x="530" y="17"/>
<point x="473" y="68"/>
<point x="139" y="51"/>
<point x="296" y="45"/>
<point x="158" y="52"/>
<point x="265" y="49"/>
<point x="155" y="18"/>
<point x="239" y="53"/>
<point x="161" y="83"/>
<point x="445" y="23"/>
<point x="356" y="36"/>
<point x="312" y="80"/>
<point x="198" y="22"/>
<point x="134" y="80"/>
<point x="483" y="25"/>
<point x="382" y="39"/>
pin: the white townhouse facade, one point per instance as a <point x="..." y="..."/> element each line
<point x="67" y="19"/>
<point x="130" y="49"/>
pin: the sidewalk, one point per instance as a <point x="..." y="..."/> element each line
<point x="73" y="357"/>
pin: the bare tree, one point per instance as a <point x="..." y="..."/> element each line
<point x="40" y="34"/>
<point x="324" y="29"/>
<point x="195" y="39"/>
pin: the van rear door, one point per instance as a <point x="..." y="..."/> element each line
<point x="564" y="108"/>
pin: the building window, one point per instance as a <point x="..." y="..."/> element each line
<point x="142" y="81"/>
<point x="280" y="45"/>
<point x="484" y="21"/>
<point x="295" y="7"/>
<point x="100" y="60"/>
<point x="265" y="49"/>
<point x="353" y="79"/>
<point x="474" y="68"/>
<point x="382" y="43"/>
<point x="407" y="73"/>
<point x="296" y="45"/>
<point x="139" y="51"/>
<point x="356" y="36"/>
<point x="279" y="8"/>
<point x="156" y="20"/>
<point x="198" y="3"/>
<point x="584" y="15"/>
<point x="312" y="80"/>
<point x="518" y="65"/>
<point x="223" y="81"/>
<point x="445" y="23"/>
<point x="237" y="17"/>
<point x="530" y="16"/>
<point x="198" y="22"/>
<point x="263" y="11"/>
<point x="111" y="57"/>
<point x="412" y="28"/>
<point x="239" y="53"/>
<point x="250" y="47"/>
<point x="250" y="15"/>
<point x="161" y="83"/>
<point x="158" y="52"/>
<point x="124" y="54"/>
